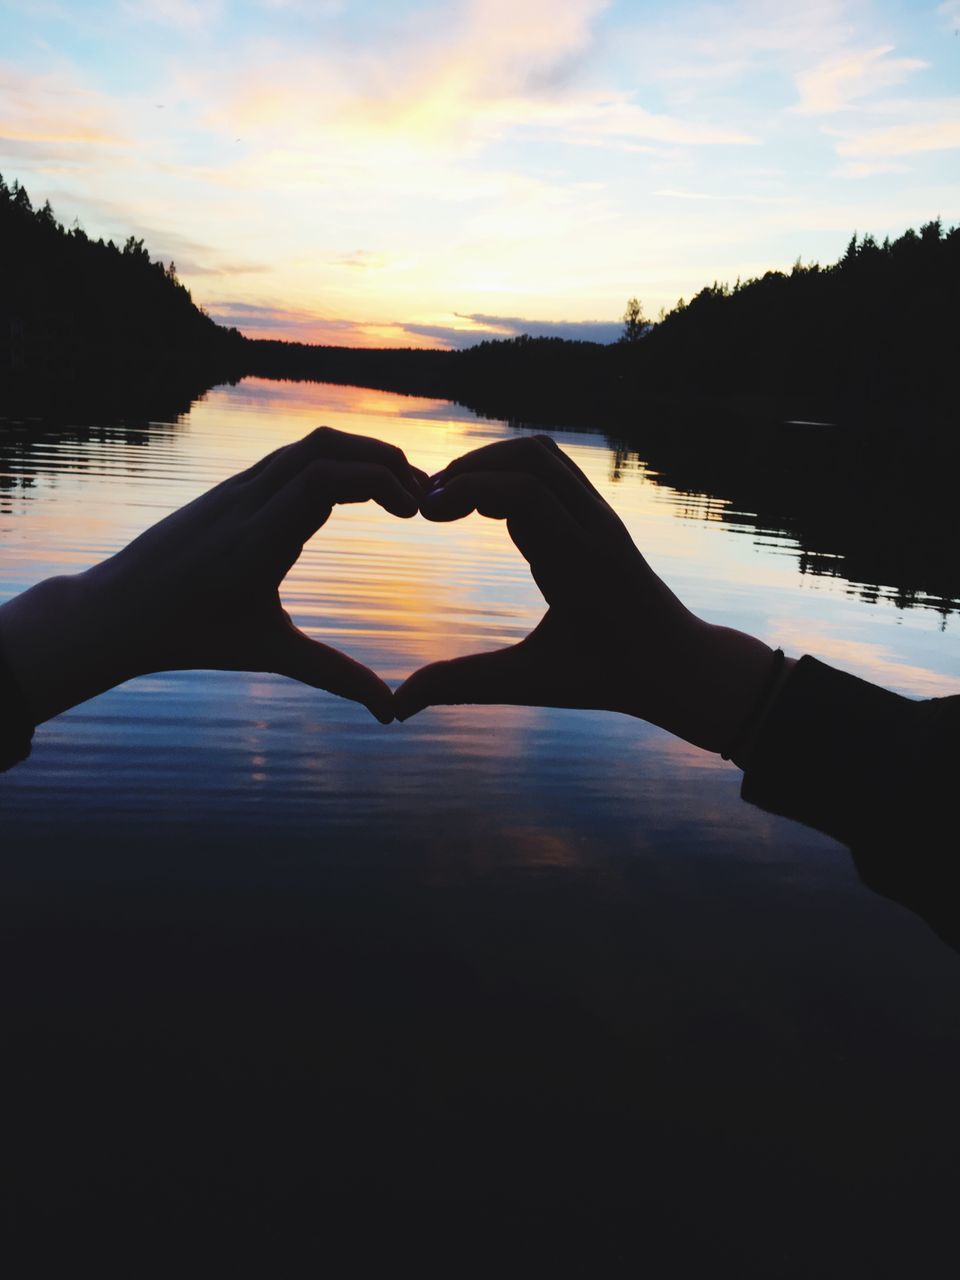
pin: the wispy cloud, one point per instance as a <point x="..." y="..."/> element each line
<point x="477" y="327"/>
<point x="716" y="46"/>
<point x="183" y="15"/>
<point x="742" y="197"/>
<point x="869" y="168"/>
<point x="56" y="111"/>
<point x="293" y="324"/>
<point x="835" y="83"/>
<point x="362" y="260"/>
<point x="495" y="68"/>
<point x="904" y="139"/>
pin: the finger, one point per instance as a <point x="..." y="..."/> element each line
<point x="480" y="678"/>
<point x="251" y="473"/>
<point x="537" y="456"/>
<point x="551" y="445"/>
<point x="294" y="515"/>
<point x="323" y="667"/>
<point x="335" y="446"/>
<point x="541" y="527"/>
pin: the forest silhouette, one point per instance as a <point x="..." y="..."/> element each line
<point x="874" y="333"/>
<point x="91" y="331"/>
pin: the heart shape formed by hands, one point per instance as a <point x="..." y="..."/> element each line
<point x="201" y="590"/>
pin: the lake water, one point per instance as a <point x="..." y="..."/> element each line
<point x="527" y="982"/>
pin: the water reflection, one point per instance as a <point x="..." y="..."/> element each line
<point x="803" y="496"/>
<point x="807" y="493"/>
<point x="495" y="966"/>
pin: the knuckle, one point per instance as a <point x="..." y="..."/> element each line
<point x="530" y="447"/>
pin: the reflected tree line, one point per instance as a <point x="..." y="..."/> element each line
<point x="99" y="338"/>
<point x="889" y="537"/>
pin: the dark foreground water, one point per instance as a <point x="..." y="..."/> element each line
<point x="498" y="991"/>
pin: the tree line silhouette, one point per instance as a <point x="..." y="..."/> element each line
<point x="879" y="324"/>
<point x="76" y="310"/>
<point x="873" y="333"/>
<point x="94" y="332"/>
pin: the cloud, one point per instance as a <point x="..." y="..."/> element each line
<point x="306" y="8"/>
<point x="836" y="82"/>
<point x="717" y="46"/>
<point x="285" y="320"/>
<point x="483" y="328"/>
<point x="292" y="324"/>
<point x="183" y="15"/>
<point x="869" y="168"/>
<point x="491" y="68"/>
<point x="949" y="13"/>
<point x="302" y="325"/>
<point x="932" y="134"/>
<point x="56" y="114"/>
<point x="675" y="193"/>
<point x="362" y="259"/>
<point x="605" y="119"/>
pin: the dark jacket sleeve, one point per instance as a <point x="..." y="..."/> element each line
<point x="16" y="724"/>
<point x="879" y="772"/>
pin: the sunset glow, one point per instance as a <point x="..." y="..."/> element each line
<point x="372" y="173"/>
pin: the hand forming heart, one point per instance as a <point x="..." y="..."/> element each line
<point x="614" y="636"/>
<point x="201" y="590"/>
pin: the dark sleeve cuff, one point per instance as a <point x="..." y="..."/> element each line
<point x="834" y="752"/>
<point x="873" y="769"/>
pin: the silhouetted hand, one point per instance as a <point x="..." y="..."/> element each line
<point x="614" y="636"/>
<point x="200" y="589"/>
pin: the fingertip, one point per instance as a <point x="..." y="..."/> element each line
<point x="432" y="504"/>
<point x="380" y="702"/>
<point x="405" y="705"/>
<point x="403" y="510"/>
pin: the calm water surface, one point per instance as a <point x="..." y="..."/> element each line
<point x="543" y="963"/>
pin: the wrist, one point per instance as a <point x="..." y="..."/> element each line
<point x="710" y="678"/>
<point x="57" y="644"/>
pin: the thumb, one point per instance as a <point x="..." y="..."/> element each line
<point x="480" y="678"/>
<point x="323" y="667"/>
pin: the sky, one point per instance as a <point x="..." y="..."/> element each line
<point x="393" y="173"/>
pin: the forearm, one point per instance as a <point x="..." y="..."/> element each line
<point x="58" y="644"/>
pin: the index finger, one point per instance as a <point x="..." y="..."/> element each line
<point x="541" y="457"/>
<point x="327" y="444"/>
